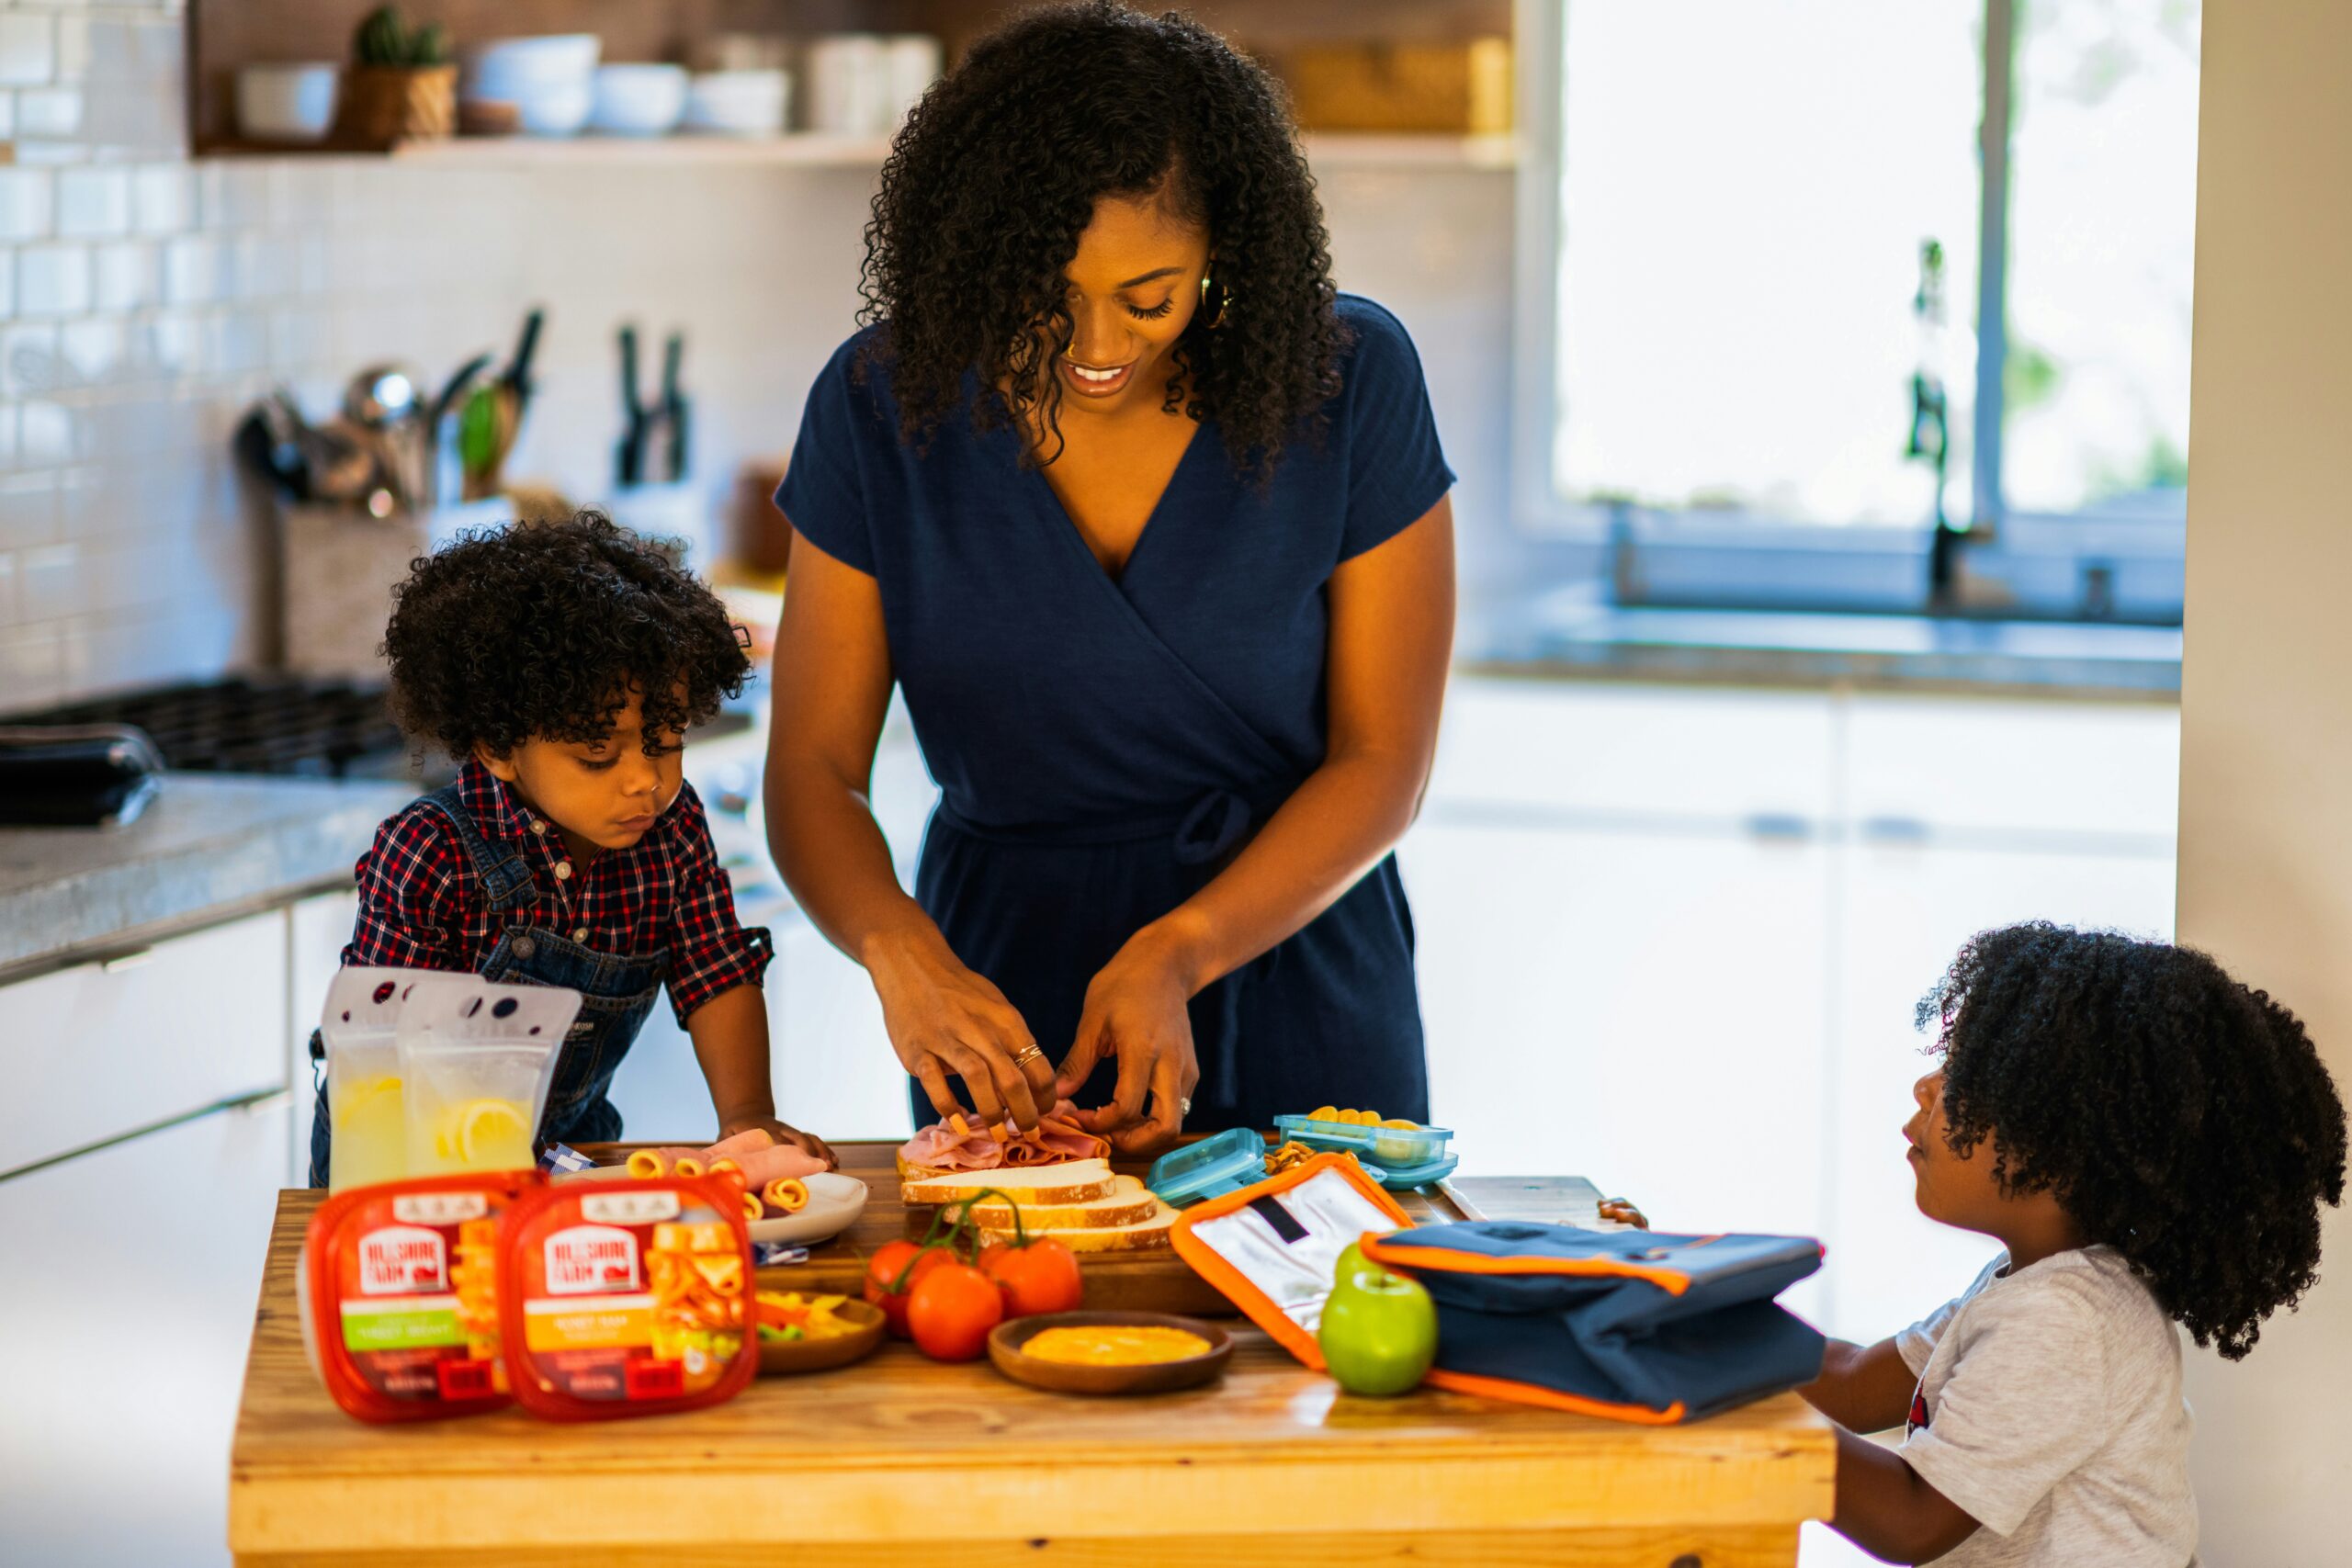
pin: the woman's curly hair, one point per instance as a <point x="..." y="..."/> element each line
<point x="2179" y="1116"/>
<point x="996" y="173"/>
<point x="545" y="630"/>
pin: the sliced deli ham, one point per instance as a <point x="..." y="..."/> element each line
<point x="960" y="1143"/>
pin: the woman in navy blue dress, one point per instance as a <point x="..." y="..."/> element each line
<point x="1148" y="521"/>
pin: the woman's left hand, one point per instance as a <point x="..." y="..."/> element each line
<point x="1135" y="1013"/>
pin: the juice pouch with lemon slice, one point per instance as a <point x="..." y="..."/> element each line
<point x="366" y="1105"/>
<point x="398" y="1291"/>
<point x="478" y="1059"/>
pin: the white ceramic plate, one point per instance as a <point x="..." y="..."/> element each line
<point x="835" y="1202"/>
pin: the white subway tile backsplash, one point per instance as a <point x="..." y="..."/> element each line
<point x="192" y="271"/>
<point x="94" y="203"/>
<point x="126" y="277"/>
<point x="27" y="359"/>
<point x="176" y="344"/>
<point x="27" y="200"/>
<point x="52" y="280"/>
<point x="31" y="667"/>
<point x="44" y="433"/>
<point x="28" y="510"/>
<point x="95" y="349"/>
<point x="237" y="341"/>
<point x="50" y="577"/>
<point x="8" y="615"/>
<point x="162" y="198"/>
<point x="72" y="48"/>
<point x="233" y="195"/>
<point x="48" y="114"/>
<point x="28" y="49"/>
<point x="8" y="116"/>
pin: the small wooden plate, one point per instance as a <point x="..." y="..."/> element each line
<point x="1064" y="1377"/>
<point x="783" y="1358"/>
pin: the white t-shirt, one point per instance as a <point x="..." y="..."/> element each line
<point x="2050" y="1409"/>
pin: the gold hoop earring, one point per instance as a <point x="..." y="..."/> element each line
<point x="1212" y="313"/>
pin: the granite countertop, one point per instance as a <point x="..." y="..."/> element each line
<point x="1569" y="633"/>
<point x="210" y="846"/>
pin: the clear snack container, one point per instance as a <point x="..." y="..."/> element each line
<point x="477" y="1060"/>
<point x="367" y="1102"/>
<point x="1398" y="1150"/>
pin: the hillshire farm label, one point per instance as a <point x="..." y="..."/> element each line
<point x="584" y="1259"/>
<point x="403" y="1260"/>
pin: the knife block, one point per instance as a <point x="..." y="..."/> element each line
<point x="340" y="565"/>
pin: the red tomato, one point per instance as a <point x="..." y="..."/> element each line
<point x="952" y="1311"/>
<point x="1040" y="1276"/>
<point x="882" y="1270"/>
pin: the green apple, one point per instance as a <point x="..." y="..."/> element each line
<point x="1351" y="1263"/>
<point x="1379" y="1331"/>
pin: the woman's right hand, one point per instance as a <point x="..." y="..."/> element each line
<point x="943" y="1018"/>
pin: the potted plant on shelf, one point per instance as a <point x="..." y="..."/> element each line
<point x="400" y="87"/>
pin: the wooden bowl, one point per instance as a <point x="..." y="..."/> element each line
<point x="788" y="1357"/>
<point x="1063" y="1377"/>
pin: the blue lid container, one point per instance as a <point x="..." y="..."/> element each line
<point x="1221" y="1163"/>
<point x="1410" y="1177"/>
<point x="1395" y="1147"/>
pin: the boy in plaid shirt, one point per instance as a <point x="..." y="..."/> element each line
<point x="563" y="663"/>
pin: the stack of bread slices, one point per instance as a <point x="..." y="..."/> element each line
<point x="1080" y="1202"/>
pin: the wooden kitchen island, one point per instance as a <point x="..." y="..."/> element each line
<point x="903" y="1462"/>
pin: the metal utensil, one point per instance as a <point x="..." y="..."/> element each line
<point x="385" y="402"/>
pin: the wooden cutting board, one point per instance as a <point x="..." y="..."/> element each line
<point x="1147" y="1282"/>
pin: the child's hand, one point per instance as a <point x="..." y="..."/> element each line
<point x="808" y="1144"/>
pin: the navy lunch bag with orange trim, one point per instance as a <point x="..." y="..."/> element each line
<point x="1629" y="1325"/>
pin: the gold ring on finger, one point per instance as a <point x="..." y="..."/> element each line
<point x="1022" y="1060"/>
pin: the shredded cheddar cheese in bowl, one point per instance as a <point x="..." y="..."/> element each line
<point x="1136" y="1346"/>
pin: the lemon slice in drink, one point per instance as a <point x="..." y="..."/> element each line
<point x="490" y="1134"/>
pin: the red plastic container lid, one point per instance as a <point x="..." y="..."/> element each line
<point x="399" y="1295"/>
<point x="628" y="1297"/>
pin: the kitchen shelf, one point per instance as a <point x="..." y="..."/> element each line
<point x="1327" y="150"/>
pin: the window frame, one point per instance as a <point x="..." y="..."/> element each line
<point x="2082" y="566"/>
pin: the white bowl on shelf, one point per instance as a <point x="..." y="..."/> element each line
<point x="557" y="108"/>
<point x="502" y="64"/>
<point x="738" y="103"/>
<point x="639" y="100"/>
<point x="286" y="103"/>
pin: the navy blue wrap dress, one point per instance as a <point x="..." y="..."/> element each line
<point x="1105" y="746"/>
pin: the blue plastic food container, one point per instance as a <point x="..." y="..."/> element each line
<point x="1396" y="1149"/>
<point x="1224" y="1162"/>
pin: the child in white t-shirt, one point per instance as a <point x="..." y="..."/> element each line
<point x="2150" y="1141"/>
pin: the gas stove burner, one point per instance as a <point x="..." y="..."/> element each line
<point x="256" y="724"/>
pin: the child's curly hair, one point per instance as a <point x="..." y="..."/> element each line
<point x="2181" y="1117"/>
<point x="545" y="630"/>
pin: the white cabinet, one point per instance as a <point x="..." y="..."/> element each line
<point x="100" y="1049"/>
<point x="1671" y="938"/>
<point x="125" y="1311"/>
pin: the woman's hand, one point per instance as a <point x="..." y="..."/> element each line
<point x="1136" y="1012"/>
<point x="944" y="1019"/>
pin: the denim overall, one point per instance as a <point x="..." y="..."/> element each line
<point x="616" y="996"/>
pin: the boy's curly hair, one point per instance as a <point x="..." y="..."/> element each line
<point x="545" y="630"/>
<point x="2181" y="1117"/>
<point x="996" y="173"/>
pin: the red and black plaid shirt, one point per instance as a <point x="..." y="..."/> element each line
<point x="421" y="906"/>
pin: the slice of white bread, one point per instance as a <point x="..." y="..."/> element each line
<point x="1072" y="1182"/>
<point x="1147" y="1235"/>
<point x="1128" y="1201"/>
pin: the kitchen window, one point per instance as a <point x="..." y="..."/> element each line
<point x="1837" y="299"/>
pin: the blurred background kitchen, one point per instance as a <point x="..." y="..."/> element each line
<point x="1818" y="373"/>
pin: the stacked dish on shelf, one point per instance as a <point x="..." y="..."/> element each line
<point x="550" y="79"/>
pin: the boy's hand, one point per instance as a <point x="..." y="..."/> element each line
<point x="784" y="1132"/>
